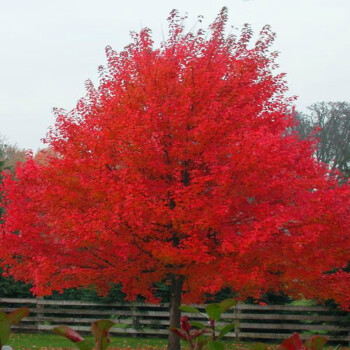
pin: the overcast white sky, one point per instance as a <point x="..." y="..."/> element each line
<point x="50" y="47"/>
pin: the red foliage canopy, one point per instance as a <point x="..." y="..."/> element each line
<point x="181" y="163"/>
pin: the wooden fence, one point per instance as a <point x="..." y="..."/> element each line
<point x="256" y="322"/>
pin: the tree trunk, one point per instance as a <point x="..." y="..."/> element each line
<point x="175" y="302"/>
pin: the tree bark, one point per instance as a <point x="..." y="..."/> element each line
<point x="175" y="314"/>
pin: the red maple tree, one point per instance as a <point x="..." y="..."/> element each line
<point x="181" y="167"/>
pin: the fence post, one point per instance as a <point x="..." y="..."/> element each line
<point x="38" y="306"/>
<point x="237" y="312"/>
<point x="134" y="319"/>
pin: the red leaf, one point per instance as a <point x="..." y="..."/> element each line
<point x="292" y="343"/>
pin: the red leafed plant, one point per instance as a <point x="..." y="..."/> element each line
<point x="294" y="342"/>
<point x="180" y="167"/>
<point x="100" y="330"/>
<point x="205" y="335"/>
<point x="191" y="336"/>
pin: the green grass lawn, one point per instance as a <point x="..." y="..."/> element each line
<point x="22" y="341"/>
<point x="47" y="341"/>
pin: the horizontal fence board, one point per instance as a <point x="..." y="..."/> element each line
<point x="285" y="317"/>
<point x="286" y="335"/>
<point x="95" y="312"/>
<point x="241" y="316"/>
<point x="272" y="322"/>
<point x="25" y="327"/>
<point x="18" y="301"/>
<point x="293" y="326"/>
<point x="281" y="308"/>
<point x="239" y="306"/>
<point x="70" y="320"/>
<point x="113" y="330"/>
<point x="83" y="303"/>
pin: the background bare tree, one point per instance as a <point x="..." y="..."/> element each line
<point x="10" y="154"/>
<point x="330" y="123"/>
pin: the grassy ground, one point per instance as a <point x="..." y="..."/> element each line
<point x="48" y="341"/>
